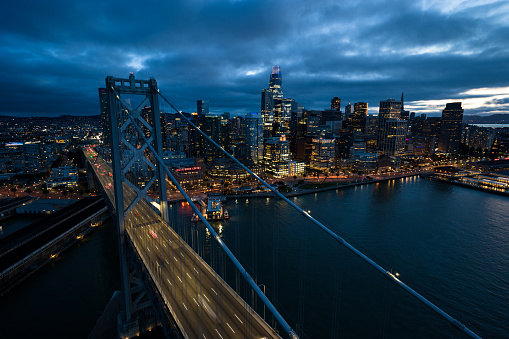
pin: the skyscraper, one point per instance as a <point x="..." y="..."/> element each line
<point x="267" y="113"/>
<point x="391" y="128"/>
<point x="202" y="107"/>
<point x="272" y="105"/>
<point x="335" y="104"/>
<point x="211" y="127"/>
<point x="276" y="83"/>
<point x="360" y="112"/>
<point x="254" y="135"/>
<point x="348" y="108"/>
<point x="450" y="127"/>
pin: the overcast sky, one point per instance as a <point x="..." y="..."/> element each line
<point x="55" y="54"/>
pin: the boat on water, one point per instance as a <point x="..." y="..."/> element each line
<point x="212" y="210"/>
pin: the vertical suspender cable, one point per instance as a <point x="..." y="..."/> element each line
<point x="385" y="272"/>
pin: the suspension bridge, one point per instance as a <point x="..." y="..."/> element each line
<point x="175" y="271"/>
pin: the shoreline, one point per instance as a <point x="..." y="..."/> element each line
<point x="315" y="190"/>
<point x="474" y="187"/>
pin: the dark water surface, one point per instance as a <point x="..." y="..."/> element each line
<point x="449" y="243"/>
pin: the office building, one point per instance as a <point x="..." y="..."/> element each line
<point x="450" y="128"/>
<point x="335" y="104"/>
<point x="392" y="130"/>
<point x="202" y="107"/>
<point x="322" y="153"/>
<point x="360" y="113"/>
<point x="253" y="132"/>
<point x="348" y="109"/>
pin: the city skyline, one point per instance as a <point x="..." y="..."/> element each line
<point x="55" y="55"/>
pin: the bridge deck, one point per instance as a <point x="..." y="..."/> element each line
<point x="203" y="304"/>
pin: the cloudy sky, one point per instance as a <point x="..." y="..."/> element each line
<point x="55" y="54"/>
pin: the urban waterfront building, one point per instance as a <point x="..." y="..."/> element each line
<point x="253" y="133"/>
<point x="450" y="128"/>
<point x="322" y="153"/>
<point x="392" y="130"/>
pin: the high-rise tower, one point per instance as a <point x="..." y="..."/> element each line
<point x="335" y="104"/>
<point x="391" y="128"/>
<point x="360" y="112"/>
<point x="276" y="83"/>
<point x="202" y="107"/>
<point x="450" y="127"/>
<point x="253" y="133"/>
<point x="272" y="104"/>
<point x="348" y="109"/>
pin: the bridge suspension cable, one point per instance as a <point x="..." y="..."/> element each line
<point x="329" y="232"/>
<point x="291" y="333"/>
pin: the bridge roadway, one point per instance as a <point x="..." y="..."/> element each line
<point x="201" y="302"/>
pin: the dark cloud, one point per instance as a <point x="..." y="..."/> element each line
<point x="54" y="55"/>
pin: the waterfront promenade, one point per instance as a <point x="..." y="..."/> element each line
<point x="332" y="183"/>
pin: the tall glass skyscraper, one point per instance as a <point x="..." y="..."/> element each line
<point x="360" y="112"/>
<point x="272" y="104"/>
<point x="202" y="107"/>
<point x="276" y="83"/>
<point x="254" y="135"/>
<point x="450" y="128"/>
<point x="391" y="128"/>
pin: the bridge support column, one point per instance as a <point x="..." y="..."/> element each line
<point x="127" y="330"/>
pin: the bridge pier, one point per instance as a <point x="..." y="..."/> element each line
<point x="127" y="330"/>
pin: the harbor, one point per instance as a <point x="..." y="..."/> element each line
<point x="487" y="182"/>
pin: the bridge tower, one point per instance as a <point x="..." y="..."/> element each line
<point x="132" y="106"/>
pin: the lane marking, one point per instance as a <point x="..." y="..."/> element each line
<point x="219" y="333"/>
<point x="196" y="302"/>
<point x="230" y="327"/>
<point x="238" y="318"/>
<point x="182" y="254"/>
<point x="184" y="305"/>
<point x="196" y="270"/>
<point x="213" y="290"/>
<point x="204" y="336"/>
<point x="179" y="278"/>
<point x="165" y="259"/>
<point x="164" y="244"/>
<point x="175" y="259"/>
<point x="188" y="275"/>
<point x="169" y="282"/>
<point x="206" y="297"/>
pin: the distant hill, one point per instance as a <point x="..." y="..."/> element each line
<point x="488" y="119"/>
